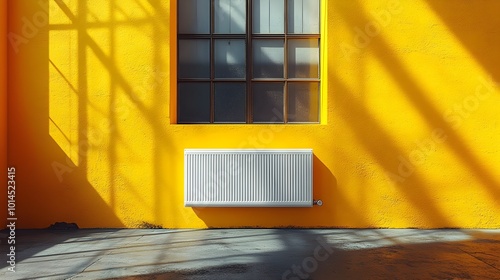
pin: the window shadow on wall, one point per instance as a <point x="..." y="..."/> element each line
<point x="54" y="188"/>
<point x="121" y="62"/>
<point x="75" y="139"/>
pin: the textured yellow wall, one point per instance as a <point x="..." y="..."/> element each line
<point x="409" y="133"/>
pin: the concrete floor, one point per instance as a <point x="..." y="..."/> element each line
<point x="255" y="254"/>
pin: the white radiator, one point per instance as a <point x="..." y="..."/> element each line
<point x="248" y="178"/>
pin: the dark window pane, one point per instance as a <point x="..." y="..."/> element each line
<point x="303" y="102"/>
<point x="268" y="102"/>
<point x="230" y="58"/>
<point x="194" y="59"/>
<point x="303" y="16"/>
<point x="230" y="102"/>
<point x="303" y="58"/>
<point x="268" y="56"/>
<point x="230" y="16"/>
<point x="194" y="16"/>
<point x="194" y="103"/>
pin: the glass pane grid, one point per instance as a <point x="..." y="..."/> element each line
<point x="268" y="58"/>
<point x="284" y="68"/>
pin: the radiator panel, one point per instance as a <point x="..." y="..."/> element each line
<point x="248" y="178"/>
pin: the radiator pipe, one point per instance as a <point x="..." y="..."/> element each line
<point x="318" y="202"/>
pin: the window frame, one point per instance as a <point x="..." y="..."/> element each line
<point x="249" y="37"/>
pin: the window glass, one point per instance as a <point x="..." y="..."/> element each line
<point x="268" y="17"/>
<point x="268" y="103"/>
<point x="230" y="102"/>
<point x="268" y="58"/>
<point x="226" y="75"/>
<point x="303" y="16"/>
<point x="230" y="16"/>
<point x="303" y="102"/>
<point x="303" y="58"/>
<point x="194" y="58"/>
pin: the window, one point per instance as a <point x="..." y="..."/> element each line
<point x="248" y="61"/>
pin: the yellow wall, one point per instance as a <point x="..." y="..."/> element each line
<point x="94" y="139"/>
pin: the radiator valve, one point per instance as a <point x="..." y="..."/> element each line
<point x="318" y="202"/>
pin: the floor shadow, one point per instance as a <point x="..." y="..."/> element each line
<point x="325" y="188"/>
<point x="351" y="254"/>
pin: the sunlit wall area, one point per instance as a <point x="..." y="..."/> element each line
<point x="406" y="132"/>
